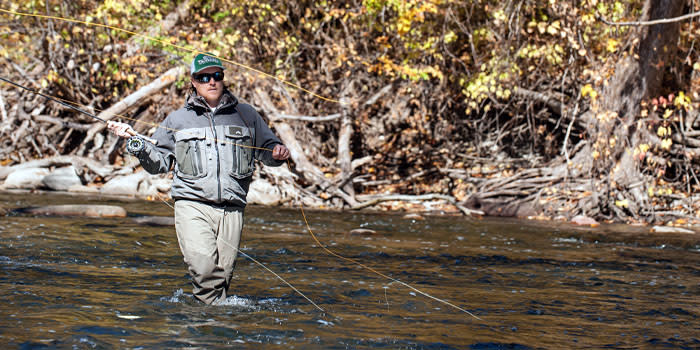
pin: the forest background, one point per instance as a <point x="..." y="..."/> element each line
<point x="531" y="108"/>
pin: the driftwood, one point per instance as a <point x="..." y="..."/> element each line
<point x="308" y="170"/>
<point x="408" y="198"/>
<point x="96" y="167"/>
<point x="325" y="118"/>
<point x="302" y="163"/>
<point x="62" y="122"/>
<point x="135" y="98"/>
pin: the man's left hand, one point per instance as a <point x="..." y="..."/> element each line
<point x="280" y="152"/>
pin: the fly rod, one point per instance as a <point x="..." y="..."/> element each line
<point x="91" y="115"/>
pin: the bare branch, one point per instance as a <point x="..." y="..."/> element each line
<point x="650" y="23"/>
<point x="277" y="116"/>
<point x="549" y="100"/>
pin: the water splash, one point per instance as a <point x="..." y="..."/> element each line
<point x="238" y="302"/>
<point x="175" y="298"/>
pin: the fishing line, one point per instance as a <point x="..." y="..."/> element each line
<point x="301" y="207"/>
<point x="308" y="227"/>
<point x="163" y="42"/>
<point x="263" y="266"/>
<point x="445" y="302"/>
<point x="57" y="100"/>
<point x="69" y="105"/>
<point x="276" y="275"/>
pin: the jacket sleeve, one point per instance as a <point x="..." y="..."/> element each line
<point x="159" y="158"/>
<point x="264" y="138"/>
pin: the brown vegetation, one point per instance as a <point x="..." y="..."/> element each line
<point x="526" y="108"/>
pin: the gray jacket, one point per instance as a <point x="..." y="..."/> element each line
<point x="208" y="149"/>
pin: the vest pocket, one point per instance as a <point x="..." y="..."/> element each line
<point x="240" y="142"/>
<point x="190" y="152"/>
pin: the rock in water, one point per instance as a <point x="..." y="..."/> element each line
<point x="109" y="211"/>
<point x="62" y="179"/>
<point x="584" y="221"/>
<point x="671" y="229"/>
<point x="362" y="232"/>
<point x="127" y="185"/>
<point x="413" y="216"/>
<point x="155" y="220"/>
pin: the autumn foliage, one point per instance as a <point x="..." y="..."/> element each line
<point x="457" y="97"/>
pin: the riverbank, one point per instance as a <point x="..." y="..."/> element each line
<point x="687" y="235"/>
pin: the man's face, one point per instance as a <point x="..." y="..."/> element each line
<point x="211" y="90"/>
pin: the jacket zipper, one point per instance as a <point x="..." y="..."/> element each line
<point x="216" y="147"/>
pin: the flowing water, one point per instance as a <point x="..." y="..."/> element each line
<point x="85" y="283"/>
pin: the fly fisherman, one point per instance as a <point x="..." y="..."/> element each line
<point x="206" y="141"/>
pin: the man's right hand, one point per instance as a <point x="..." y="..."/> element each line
<point x="121" y="129"/>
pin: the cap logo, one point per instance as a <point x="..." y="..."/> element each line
<point x="207" y="59"/>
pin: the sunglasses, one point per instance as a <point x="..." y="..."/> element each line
<point x="206" y="77"/>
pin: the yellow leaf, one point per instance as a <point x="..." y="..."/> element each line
<point x="666" y="144"/>
<point x="587" y="90"/>
<point x="622" y="204"/>
<point x="612" y="45"/>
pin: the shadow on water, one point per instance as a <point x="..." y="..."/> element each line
<point x="113" y="283"/>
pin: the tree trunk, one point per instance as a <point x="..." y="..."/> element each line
<point x="344" y="156"/>
<point x="614" y="126"/>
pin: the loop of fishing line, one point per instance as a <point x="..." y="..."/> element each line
<point x="276" y="275"/>
<point x="308" y="226"/>
<point x="163" y="42"/>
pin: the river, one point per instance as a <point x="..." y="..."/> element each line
<point x="86" y="283"/>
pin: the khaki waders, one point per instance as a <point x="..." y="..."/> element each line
<point x="209" y="237"/>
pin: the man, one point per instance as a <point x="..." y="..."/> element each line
<point x="212" y="142"/>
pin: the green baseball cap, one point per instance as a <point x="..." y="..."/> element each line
<point x="204" y="60"/>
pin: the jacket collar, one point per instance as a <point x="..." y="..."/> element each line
<point x="196" y="101"/>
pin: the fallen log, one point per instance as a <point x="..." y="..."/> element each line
<point x="155" y="220"/>
<point x="302" y="163"/>
<point x="425" y="197"/>
<point x="60" y="161"/>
